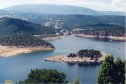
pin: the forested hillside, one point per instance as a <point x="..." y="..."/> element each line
<point x="11" y="26"/>
<point x="73" y="21"/>
<point x="103" y="30"/>
<point x="23" y="41"/>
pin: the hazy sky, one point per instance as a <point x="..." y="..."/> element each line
<point x="103" y="5"/>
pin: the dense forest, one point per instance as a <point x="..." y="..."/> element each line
<point x="23" y="41"/>
<point x="112" y="71"/>
<point x="11" y="26"/>
<point x="45" y="76"/>
<point x="87" y="53"/>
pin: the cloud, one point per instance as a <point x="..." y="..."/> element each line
<point x="119" y="5"/>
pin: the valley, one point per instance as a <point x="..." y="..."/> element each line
<point x="84" y="44"/>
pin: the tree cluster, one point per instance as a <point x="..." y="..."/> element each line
<point x="45" y="76"/>
<point x="111" y="72"/>
<point x="89" y="53"/>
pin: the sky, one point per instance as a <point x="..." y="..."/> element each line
<point x="101" y="5"/>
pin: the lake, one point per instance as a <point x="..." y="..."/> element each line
<point x="16" y="68"/>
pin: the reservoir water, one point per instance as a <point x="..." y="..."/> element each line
<point x="16" y="68"/>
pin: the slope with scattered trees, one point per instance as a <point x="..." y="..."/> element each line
<point x="102" y="30"/>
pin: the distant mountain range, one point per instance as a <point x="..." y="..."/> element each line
<point x="11" y="26"/>
<point x="45" y="18"/>
<point x="57" y="9"/>
<point x="3" y="12"/>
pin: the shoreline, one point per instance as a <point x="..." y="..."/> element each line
<point x="64" y="58"/>
<point x="123" y="38"/>
<point x="49" y="38"/>
<point x="52" y="38"/>
<point x="7" y="51"/>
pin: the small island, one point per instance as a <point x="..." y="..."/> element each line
<point x="82" y="56"/>
<point x="17" y="44"/>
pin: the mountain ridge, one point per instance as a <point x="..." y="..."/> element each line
<point x="58" y="9"/>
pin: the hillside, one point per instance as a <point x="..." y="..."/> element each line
<point x="24" y="41"/>
<point x="102" y="29"/>
<point x="10" y="26"/>
<point x="51" y="9"/>
<point x="3" y="12"/>
<point x="58" y="9"/>
<point x="72" y="21"/>
<point x="19" y="44"/>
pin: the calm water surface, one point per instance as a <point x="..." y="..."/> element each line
<point x="16" y="68"/>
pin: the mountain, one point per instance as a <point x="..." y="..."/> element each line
<point x="57" y="9"/>
<point x="3" y="12"/>
<point x="113" y="13"/>
<point x="74" y="21"/>
<point x="10" y="26"/>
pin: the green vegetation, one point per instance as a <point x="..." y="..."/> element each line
<point x="45" y="76"/>
<point x="103" y="30"/>
<point x="11" y="26"/>
<point x="49" y="76"/>
<point x="92" y="25"/>
<point x="24" y="41"/>
<point x="75" y="21"/>
<point x="111" y="72"/>
<point x="89" y="53"/>
<point x="93" y="54"/>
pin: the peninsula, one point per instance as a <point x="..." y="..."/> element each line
<point x="17" y="44"/>
<point x="82" y="56"/>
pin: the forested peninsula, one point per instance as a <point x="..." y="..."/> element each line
<point x="17" y="44"/>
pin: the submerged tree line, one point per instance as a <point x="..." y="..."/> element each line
<point x="111" y="72"/>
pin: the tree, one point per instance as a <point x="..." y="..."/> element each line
<point x="45" y="76"/>
<point x="120" y="71"/>
<point x="111" y="71"/>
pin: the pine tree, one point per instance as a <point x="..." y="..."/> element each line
<point x="111" y="71"/>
